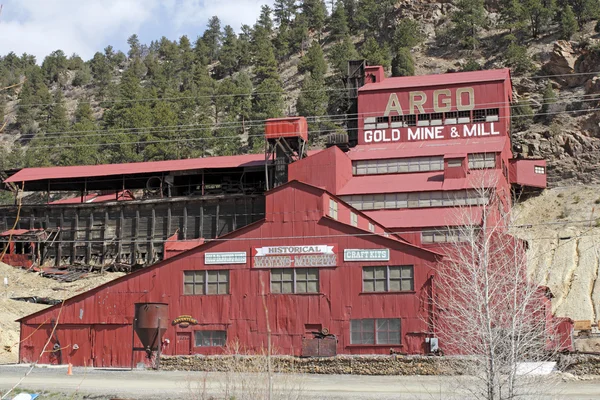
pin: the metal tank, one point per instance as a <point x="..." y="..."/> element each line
<point x="150" y="324"/>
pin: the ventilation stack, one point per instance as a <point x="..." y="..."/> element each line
<point x="355" y="80"/>
<point x="287" y="140"/>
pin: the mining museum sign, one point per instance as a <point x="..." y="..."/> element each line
<point x="294" y="256"/>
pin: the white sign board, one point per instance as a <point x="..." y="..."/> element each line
<point x="238" y="257"/>
<point x="366" y="254"/>
<point x="294" y="256"/>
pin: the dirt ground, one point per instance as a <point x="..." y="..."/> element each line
<point x="22" y="283"/>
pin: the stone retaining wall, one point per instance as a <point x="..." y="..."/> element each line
<point x="576" y="364"/>
<point x="348" y="365"/>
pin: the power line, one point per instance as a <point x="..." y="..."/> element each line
<point x="179" y="140"/>
<point x="254" y="93"/>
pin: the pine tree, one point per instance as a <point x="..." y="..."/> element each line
<point x="212" y="38"/>
<point x="245" y="46"/>
<point x="375" y="54"/>
<point x="339" y="22"/>
<point x="468" y="20"/>
<point x="312" y="103"/>
<point x="57" y="116"/>
<point x="283" y="11"/>
<point x="282" y="43"/>
<point x="585" y="10"/>
<point x="539" y="14"/>
<point x="313" y="62"/>
<point x="265" y="64"/>
<point x="83" y="145"/>
<point x="54" y="66"/>
<point x="135" y="48"/>
<point x="350" y="11"/>
<point x="102" y="73"/>
<point x="512" y="16"/>
<point x="339" y="55"/>
<point x="403" y="63"/>
<point x="548" y="99"/>
<point x="229" y="55"/>
<point x="315" y="12"/>
<point x="267" y="103"/>
<point x="265" y="22"/>
<point x="568" y="23"/>
<point x="299" y="35"/>
<point x="408" y="34"/>
<point x="82" y="77"/>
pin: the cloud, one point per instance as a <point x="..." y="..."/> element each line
<point x="39" y="27"/>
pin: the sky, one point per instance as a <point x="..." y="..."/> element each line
<point x="84" y="27"/>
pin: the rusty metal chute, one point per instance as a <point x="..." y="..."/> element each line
<point x="150" y="324"/>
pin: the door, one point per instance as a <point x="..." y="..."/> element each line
<point x="112" y="346"/>
<point x="184" y="343"/>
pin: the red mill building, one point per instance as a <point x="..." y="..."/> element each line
<point x="346" y="247"/>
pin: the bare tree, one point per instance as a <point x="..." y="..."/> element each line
<point x="488" y="306"/>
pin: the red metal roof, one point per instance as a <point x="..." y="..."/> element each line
<point x="417" y="182"/>
<point x="426" y="217"/>
<point x="424" y="148"/>
<point x="34" y="174"/>
<point x="455" y="78"/>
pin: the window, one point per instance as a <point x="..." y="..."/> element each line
<point x="381" y="120"/>
<point x="333" y="209"/>
<point x="482" y="160"/>
<point x="424" y="120"/>
<point x="464" y="117"/>
<point x="443" y="235"/>
<point x="210" y="338"/>
<point x="295" y="280"/>
<point x="539" y="169"/>
<point x="371" y="227"/>
<point x="492" y="115"/>
<point x="478" y="115"/>
<point x="455" y="162"/>
<point x="206" y="282"/>
<point x="436" y="118"/>
<point x="353" y="219"/>
<point x="398" y="165"/>
<point x="388" y="279"/>
<point x="375" y="331"/>
<point x="449" y="198"/>
<point x="410" y="120"/>
<point x="451" y="118"/>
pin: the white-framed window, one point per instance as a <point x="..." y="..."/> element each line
<point x="205" y="282"/>
<point x="482" y="160"/>
<point x="388" y="279"/>
<point x="449" y="198"/>
<point x="210" y="338"/>
<point x="333" y="209"/>
<point x="398" y="165"/>
<point x="371" y="227"/>
<point x="443" y="235"/>
<point x="538" y="169"/>
<point x="375" y="331"/>
<point x="295" y="280"/>
<point x="353" y="219"/>
<point x="454" y="162"/>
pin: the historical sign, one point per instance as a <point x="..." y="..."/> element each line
<point x="237" y="257"/>
<point x="366" y="254"/>
<point x="294" y="256"/>
<point x="184" y="321"/>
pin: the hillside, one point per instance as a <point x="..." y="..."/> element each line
<point x="177" y="98"/>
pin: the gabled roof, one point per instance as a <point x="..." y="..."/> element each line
<point x="454" y="78"/>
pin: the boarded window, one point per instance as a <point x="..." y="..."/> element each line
<point x="206" y="282"/>
<point x="375" y="331"/>
<point x="455" y="162"/>
<point x="295" y="280"/>
<point x="353" y="219"/>
<point x="210" y="338"/>
<point x="388" y="279"/>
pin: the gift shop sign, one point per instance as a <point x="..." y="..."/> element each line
<point x="320" y="255"/>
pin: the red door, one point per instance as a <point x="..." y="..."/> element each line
<point x="184" y="343"/>
<point x="112" y="346"/>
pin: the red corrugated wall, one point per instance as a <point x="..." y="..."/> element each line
<point x="104" y="316"/>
